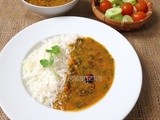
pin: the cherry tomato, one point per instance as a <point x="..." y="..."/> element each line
<point x="105" y="5"/>
<point x="141" y="6"/>
<point x="137" y="16"/>
<point x="127" y="8"/>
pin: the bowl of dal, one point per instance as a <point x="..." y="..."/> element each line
<point x="49" y="8"/>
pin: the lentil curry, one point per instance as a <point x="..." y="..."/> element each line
<point x="91" y="73"/>
<point x="48" y="2"/>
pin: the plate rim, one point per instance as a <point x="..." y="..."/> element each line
<point x="72" y="17"/>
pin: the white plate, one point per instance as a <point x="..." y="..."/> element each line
<point x="118" y="102"/>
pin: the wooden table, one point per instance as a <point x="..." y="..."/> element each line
<point x="146" y="41"/>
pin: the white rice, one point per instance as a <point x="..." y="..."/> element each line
<point x="40" y="82"/>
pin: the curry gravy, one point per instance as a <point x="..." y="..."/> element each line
<point x="48" y="2"/>
<point x="90" y="76"/>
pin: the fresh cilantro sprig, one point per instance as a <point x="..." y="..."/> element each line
<point x="55" y="50"/>
<point x="47" y="63"/>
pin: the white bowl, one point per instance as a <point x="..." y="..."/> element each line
<point x="50" y="11"/>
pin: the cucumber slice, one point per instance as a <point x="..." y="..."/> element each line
<point x="119" y="2"/>
<point x="127" y="18"/>
<point x="133" y="2"/>
<point x="114" y="5"/>
<point x="112" y="12"/>
<point x="118" y="17"/>
<point x="118" y="6"/>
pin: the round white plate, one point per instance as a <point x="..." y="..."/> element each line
<point x="117" y="103"/>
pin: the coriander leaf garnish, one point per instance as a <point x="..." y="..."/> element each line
<point x="55" y="50"/>
<point x="44" y="62"/>
<point x="51" y="60"/>
<point x="49" y="51"/>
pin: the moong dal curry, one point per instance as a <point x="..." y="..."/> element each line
<point x="48" y="2"/>
<point x="90" y="76"/>
<point x="68" y="73"/>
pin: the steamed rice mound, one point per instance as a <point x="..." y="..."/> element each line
<point x="40" y="82"/>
